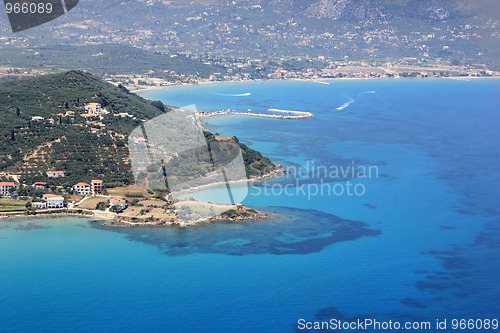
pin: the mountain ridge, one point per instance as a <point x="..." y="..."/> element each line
<point x="452" y="31"/>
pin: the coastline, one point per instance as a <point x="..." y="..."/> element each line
<point x="317" y="80"/>
<point x="115" y="220"/>
<point x="104" y="216"/>
<point x="55" y="213"/>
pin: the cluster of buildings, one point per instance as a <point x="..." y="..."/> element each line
<point x="51" y="201"/>
<point x="95" y="187"/>
<point x="91" y="109"/>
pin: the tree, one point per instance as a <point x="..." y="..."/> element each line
<point x="22" y="191"/>
<point x="159" y="105"/>
<point x="12" y="136"/>
<point x="102" y="205"/>
<point x="18" y="111"/>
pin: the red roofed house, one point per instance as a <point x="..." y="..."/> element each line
<point x="82" y="189"/>
<point x="39" y="185"/>
<point x="5" y="187"/>
<point x="97" y="186"/>
<point x="55" y="174"/>
<point x="118" y="202"/>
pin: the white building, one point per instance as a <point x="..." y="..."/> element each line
<point x="118" y="202"/>
<point x="55" y="174"/>
<point x="54" y="201"/>
<point x="82" y="189"/>
<point x="5" y="187"/>
<point x="93" y="108"/>
<point x="39" y="205"/>
<point x="125" y="114"/>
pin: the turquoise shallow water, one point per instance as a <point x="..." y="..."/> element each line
<point x="420" y="244"/>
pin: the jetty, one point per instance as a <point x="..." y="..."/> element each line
<point x="278" y="114"/>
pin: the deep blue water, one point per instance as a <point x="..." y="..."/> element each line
<point x="422" y="243"/>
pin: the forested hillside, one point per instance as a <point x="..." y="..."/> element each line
<point x="85" y="147"/>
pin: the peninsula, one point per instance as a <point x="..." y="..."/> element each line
<point x="64" y="150"/>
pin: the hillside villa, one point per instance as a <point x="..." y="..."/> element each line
<point x="94" y="108"/>
<point x="55" y="174"/>
<point x="39" y="185"/>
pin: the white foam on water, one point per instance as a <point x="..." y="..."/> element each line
<point x="234" y="95"/>
<point x="346" y="104"/>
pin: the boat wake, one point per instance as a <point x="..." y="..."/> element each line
<point x="235" y="95"/>
<point x="346" y="104"/>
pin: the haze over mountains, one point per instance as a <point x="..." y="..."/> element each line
<point x="456" y="31"/>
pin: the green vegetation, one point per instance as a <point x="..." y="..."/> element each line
<point x="66" y="143"/>
<point x="106" y="59"/>
<point x="9" y="205"/>
<point x="101" y="205"/>
<point x="134" y="195"/>
<point x="234" y="213"/>
<point x="255" y="163"/>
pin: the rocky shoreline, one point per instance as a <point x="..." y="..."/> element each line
<point x="120" y="223"/>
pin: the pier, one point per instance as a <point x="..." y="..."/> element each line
<point x="282" y="114"/>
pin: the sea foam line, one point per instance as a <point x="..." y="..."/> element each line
<point x="234" y="95"/>
<point x="346" y="104"/>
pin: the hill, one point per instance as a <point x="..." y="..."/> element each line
<point x="201" y="37"/>
<point x="85" y="146"/>
<point x="106" y="59"/>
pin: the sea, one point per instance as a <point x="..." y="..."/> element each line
<point x="412" y="235"/>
